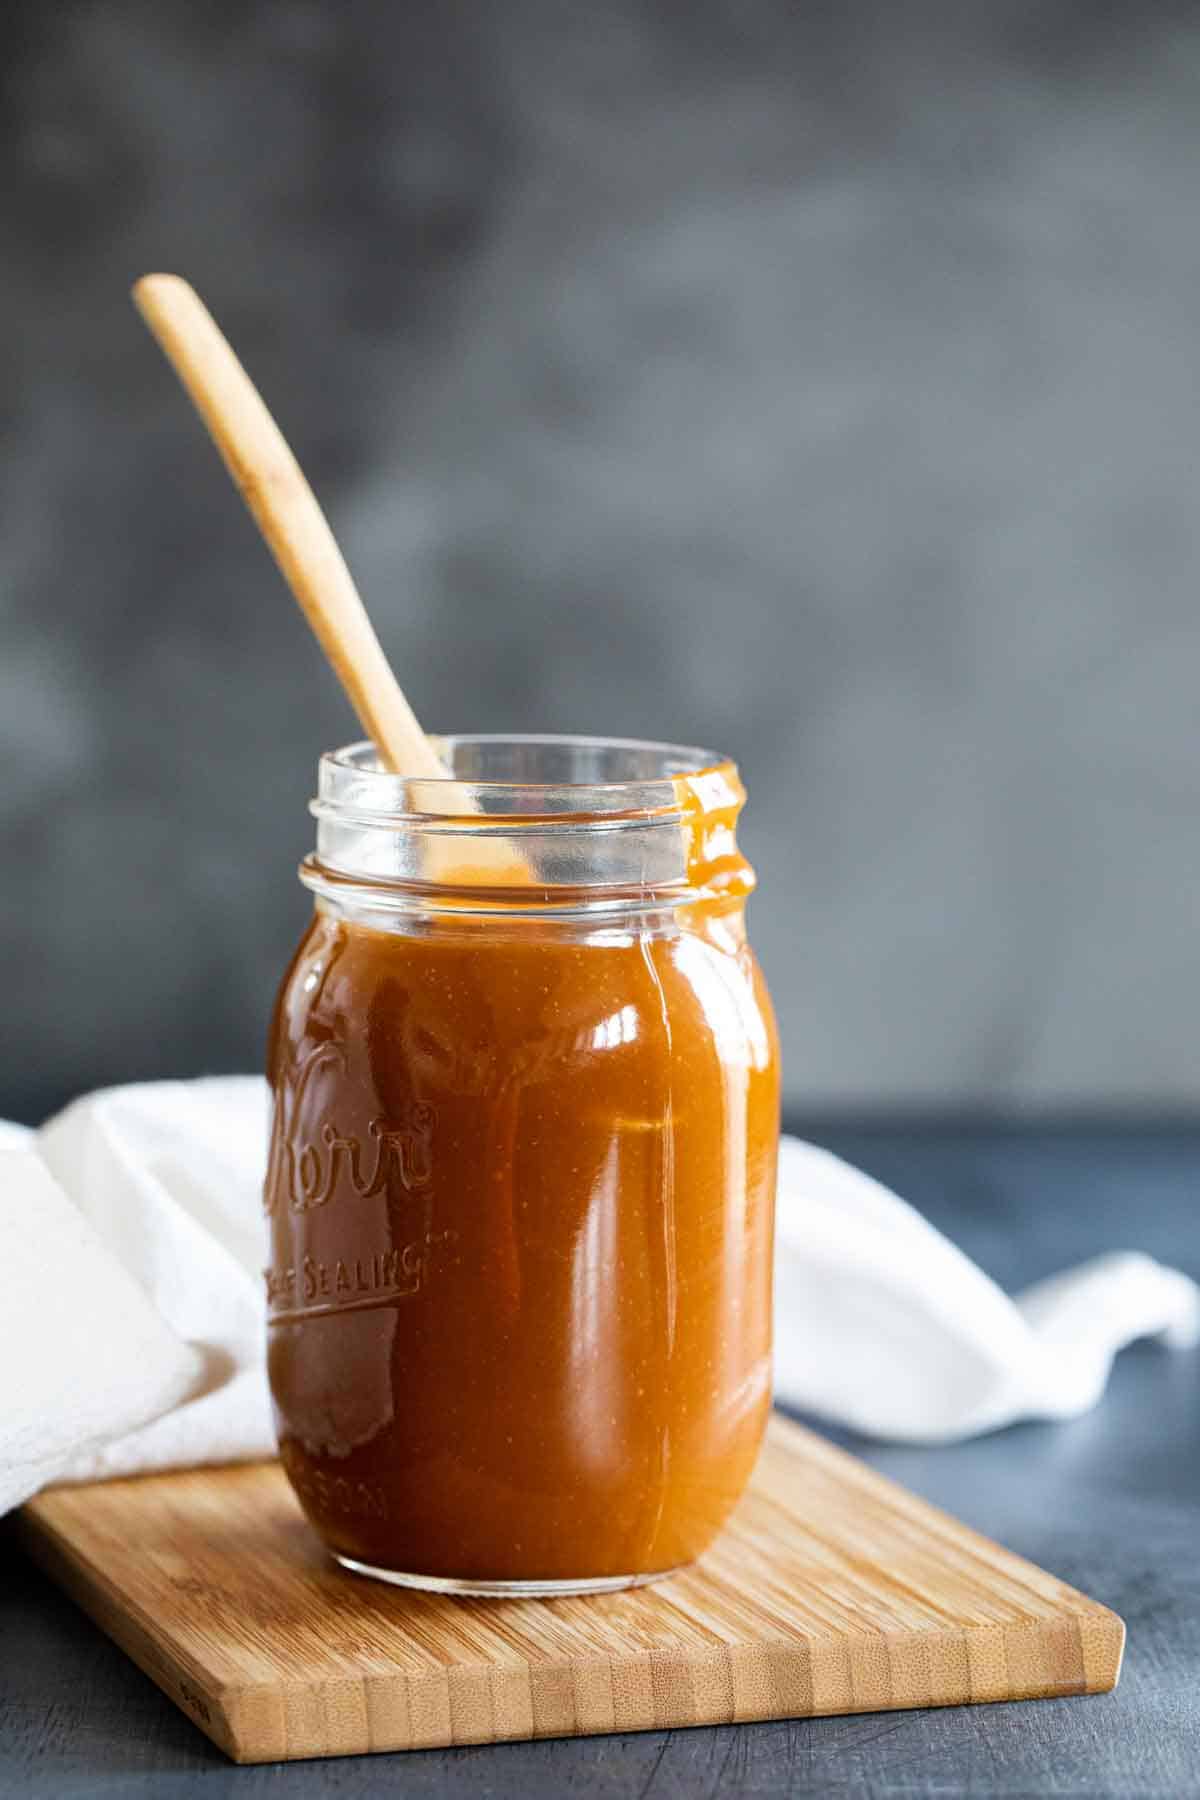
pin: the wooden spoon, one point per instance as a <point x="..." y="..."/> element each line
<point x="285" y="510"/>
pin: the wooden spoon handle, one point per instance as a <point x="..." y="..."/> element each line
<point x="286" y="512"/>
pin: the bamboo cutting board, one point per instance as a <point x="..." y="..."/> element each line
<point x="832" y="1591"/>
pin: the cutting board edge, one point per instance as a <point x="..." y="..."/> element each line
<point x="246" y="1743"/>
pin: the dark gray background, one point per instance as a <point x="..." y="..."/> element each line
<point x="815" y="382"/>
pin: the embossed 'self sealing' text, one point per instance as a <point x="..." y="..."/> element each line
<point x="396" y="1273"/>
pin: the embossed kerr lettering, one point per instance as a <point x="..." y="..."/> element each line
<point x="311" y="1172"/>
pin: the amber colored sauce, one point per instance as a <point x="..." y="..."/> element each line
<point x="520" y="1202"/>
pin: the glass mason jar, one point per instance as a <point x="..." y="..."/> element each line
<point x="521" y="1181"/>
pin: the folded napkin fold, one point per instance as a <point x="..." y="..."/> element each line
<point x="883" y="1324"/>
<point x="132" y="1328"/>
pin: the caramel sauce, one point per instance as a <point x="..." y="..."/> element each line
<point x="520" y="1199"/>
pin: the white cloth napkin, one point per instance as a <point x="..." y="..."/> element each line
<point x="883" y="1324"/>
<point x="132" y="1318"/>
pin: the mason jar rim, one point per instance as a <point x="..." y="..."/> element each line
<point x="626" y="778"/>
<point x="530" y="825"/>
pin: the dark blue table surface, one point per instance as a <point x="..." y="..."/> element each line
<point x="1110" y="1502"/>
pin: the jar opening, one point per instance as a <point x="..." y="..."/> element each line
<point x="573" y="820"/>
<point x="525" y="776"/>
